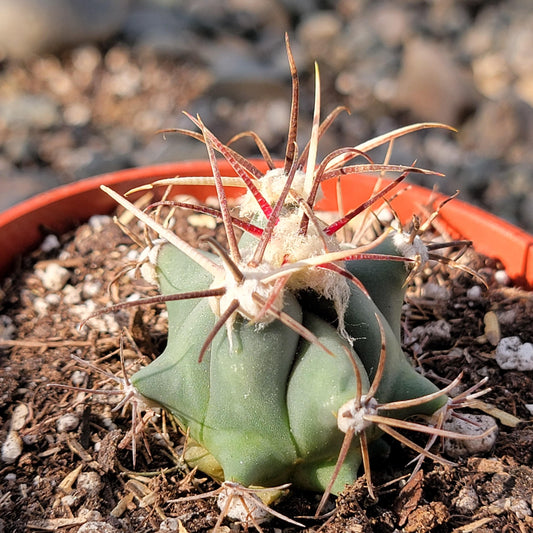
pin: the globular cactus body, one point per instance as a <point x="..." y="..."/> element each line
<point x="258" y="404"/>
<point x="264" y="405"/>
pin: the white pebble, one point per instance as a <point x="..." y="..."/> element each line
<point x="474" y="293"/>
<point x="529" y="407"/>
<point x="435" y="291"/>
<point x="105" y="323"/>
<point x="90" y="289"/>
<point x="52" y="299"/>
<point x="97" y="222"/>
<point x="54" y="276"/>
<point x="89" y="481"/>
<point x="50" y="242"/>
<point x="71" y="295"/>
<point x="519" y="507"/>
<point x="168" y="525"/>
<point x="512" y="354"/>
<point x="19" y="416"/>
<point x="67" y="422"/>
<point x="78" y="378"/>
<point x="30" y="440"/>
<point x="40" y="306"/>
<point x="502" y="277"/>
<point x="472" y="425"/>
<point x="467" y="500"/>
<point x="89" y="514"/>
<point x="238" y="510"/>
<point x="69" y="500"/>
<point x="10" y="477"/>
<point x="7" y="328"/>
<point x="97" y="527"/>
<point x="133" y="254"/>
<point x="12" y="448"/>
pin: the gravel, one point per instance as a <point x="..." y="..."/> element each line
<point x="89" y="102"/>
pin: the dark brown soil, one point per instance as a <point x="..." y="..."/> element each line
<point x="67" y="476"/>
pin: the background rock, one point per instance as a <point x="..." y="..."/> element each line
<point x="29" y="27"/>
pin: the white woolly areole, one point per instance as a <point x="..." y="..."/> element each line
<point x="351" y="415"/>
<point x="415" y="250"/>
<point x="244" y="290"/>
<point x="270" y="186"/>
<point x="288" y="245"/>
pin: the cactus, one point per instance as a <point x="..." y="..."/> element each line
<point x="284" y="362"/>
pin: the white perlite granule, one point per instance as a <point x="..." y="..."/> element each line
<point x="513" y="354"/>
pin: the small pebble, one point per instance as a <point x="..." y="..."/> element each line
<point x="97" y="222"/>
<point x="473" y="425"/>
<point x="67" y="422"/>
<point x="90" y="289"/>
<point x="90" y="514"/>
<point x="50" y="242"/>
<point x="508" y="317"/>
<point x="54" y="276"/>
<point x="502" y="277"/>
<point x="19" y="417"/>
<point x="71" y="295"/>
<point x="435" y="292"/>
<point x="169" y="525"/>
<point x="474" y="293"/>
<point x="512" y="354"/>
<point x="30" y="440"/>
<point x="433" y="333"/>
<point x="52" y="299"/>
<point x="103" y="324"/>
<point x="7" y="328"/>
<point x="97" y="527"/>
<point x="12" y="448"/>
<point x="69" y="500"/>
<point x="467" y="500"/>
<point x="40" y="306"/>
<point x="241" y="507"/>
<point x="78" y="378"/>
<point x="90" y="481"/>
<point x="133" y="255"/>
<point x="519" y="507"/>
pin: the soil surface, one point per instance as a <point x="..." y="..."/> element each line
<point x="66" y="454"/>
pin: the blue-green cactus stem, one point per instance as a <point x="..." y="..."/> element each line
<point x="166" y="380"/>
<point x="384" y="280"/>
<point x="175" y="380"/>
<point x="177" y="273"/>
<point x="318" y="386"/>
<point x="246" y="426"/>
<point x="400" y="381"/>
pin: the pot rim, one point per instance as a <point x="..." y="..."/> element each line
<point x="23" y="226"/>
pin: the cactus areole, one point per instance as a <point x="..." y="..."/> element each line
<point x="284" y="362"/>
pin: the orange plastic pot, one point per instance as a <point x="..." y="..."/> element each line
<point x="23" y="226"/>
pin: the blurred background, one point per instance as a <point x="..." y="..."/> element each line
<point x="85" y="84"/>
